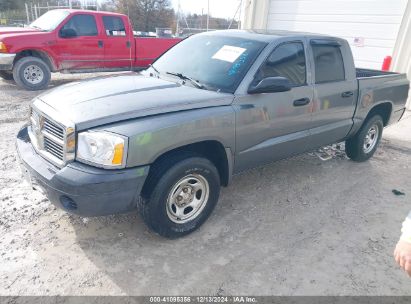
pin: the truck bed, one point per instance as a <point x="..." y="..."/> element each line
<point x="375" y="87"/>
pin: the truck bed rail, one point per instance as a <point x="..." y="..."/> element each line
<point x="362" y="73"/>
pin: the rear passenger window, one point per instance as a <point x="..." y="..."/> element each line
<point x="287" y="60"/>
<point x="114" y="26"/>
<point x="329" y="64"/>
<point x="83" y="25"/>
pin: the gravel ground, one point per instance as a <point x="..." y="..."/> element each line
<point x="296" y="227"/>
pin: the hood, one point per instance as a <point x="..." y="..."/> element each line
<point x="106" y="100"/>
<point x="13" y="30"/>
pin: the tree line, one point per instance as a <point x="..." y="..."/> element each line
<point x="146" y="15"/>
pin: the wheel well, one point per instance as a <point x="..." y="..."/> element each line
<point x="212" y="150"/>
<point x="38" y="54"/>
<point x="384" y="110"/>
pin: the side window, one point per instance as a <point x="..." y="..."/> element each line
<point x="83" y="25"/>
<point x="114" y="26"/>
<point x="287" y="60"/>
<point x="329" y="64"/>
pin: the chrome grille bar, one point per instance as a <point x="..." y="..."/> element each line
<point x="53" y="148"/>
<point x="53" y="129"/>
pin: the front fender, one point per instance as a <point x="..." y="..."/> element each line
<point x="152" y="136"/>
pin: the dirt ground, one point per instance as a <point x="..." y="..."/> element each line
<point x="297" y="227"/>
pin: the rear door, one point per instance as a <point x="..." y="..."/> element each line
<point x="83" y="50"/>
<point x="271" y="126"/>
<point x="335" y="91"/>
<point x="117" y="42"/>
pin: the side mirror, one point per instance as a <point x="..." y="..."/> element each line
<point x="67" y="33"/>
<point x="271" y="85"/>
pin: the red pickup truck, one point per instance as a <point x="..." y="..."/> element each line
<point x="71" y="41"/>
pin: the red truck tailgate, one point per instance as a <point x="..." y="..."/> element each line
<point x="149" y="49"/>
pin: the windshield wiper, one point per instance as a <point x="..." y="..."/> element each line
<point x="184" y="77"/>
<point x="155" y="70"/>
<point x="37" y="28"/>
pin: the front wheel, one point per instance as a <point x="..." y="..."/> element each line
<point x="364" y="144"/>
<point x="31" y="73"/>
<point x="182" y="196"/>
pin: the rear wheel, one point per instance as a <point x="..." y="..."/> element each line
<point x="364" y="144"/>
<point x="31" y="73"/>
<point x="181" y="195"/>
<point x="6" y="75"/>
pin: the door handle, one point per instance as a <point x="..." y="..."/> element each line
<point x="301" y="102"/>
<point x="100" y="44"/>
<point x="347" y="94"/>
<point x="128" y="44"/>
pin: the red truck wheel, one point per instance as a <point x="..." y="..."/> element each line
<point x="31" y="73"/>
<point x="6" y="75"/>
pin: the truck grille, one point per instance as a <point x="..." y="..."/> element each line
<point x="50" y="138"/>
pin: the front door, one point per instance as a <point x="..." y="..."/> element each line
<point x="271" y="126"/>
<point x="79" y="45"/>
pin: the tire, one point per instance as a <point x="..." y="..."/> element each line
<point x="171" y="206"/>
<point x="6" y="75"/>
<point x="31" y="73"/>
<point x="364" y="144"/>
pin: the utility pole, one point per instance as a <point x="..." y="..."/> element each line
<point x="202" y="17"/>
<point x="208" y="14"/>
<point x="239" y="15"/>
<point x="178" y="20"/>
<point x="27" y="13"/>
<point x="35" y="11"/>
<point x="32" y="12"/>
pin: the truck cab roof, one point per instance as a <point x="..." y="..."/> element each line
<point x="269" y="35"/>
<point x="71" y="11"/>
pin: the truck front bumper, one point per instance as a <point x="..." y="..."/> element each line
<point x="6" y="61"/>
<point x="79" y="188"/>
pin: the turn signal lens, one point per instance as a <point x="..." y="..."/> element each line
<point x="118" y="154"/>
<point x="3" y="48"/>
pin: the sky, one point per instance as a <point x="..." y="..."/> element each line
<point x="218" y="8"/>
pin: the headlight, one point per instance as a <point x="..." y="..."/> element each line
<point x="102" y="149"/>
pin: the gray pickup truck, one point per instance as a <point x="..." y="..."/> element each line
<point x="165" y="140"/>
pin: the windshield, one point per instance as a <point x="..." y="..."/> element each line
<point x="50" y="20"/>
<point x="216" y="62"/>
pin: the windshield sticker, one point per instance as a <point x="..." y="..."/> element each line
<point x="236" y="67"/>
<point x="228" y="53"/>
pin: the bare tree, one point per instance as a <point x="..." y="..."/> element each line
<point x="147" y="15"/>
